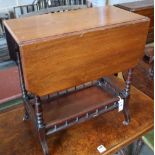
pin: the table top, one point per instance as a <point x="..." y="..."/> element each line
<point x="137" y="5"/>
<point x="82" y="139"/>
<point x="57" y="25"/>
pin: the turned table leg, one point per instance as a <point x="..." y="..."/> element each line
<point x="26" y="115"/>
<point x="40" y="125"/>
<point x="127" y="96"/>
<point x="24" y="92"/>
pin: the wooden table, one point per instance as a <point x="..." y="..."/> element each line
<point x="59" y="56"/>
<point x="146" y="8"/>
<point x="18" y="138"/>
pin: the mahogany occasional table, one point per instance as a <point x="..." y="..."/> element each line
<point x="63" y="61"/>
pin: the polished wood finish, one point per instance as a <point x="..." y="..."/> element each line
<point x="45" y="73"/>
<point x="79" y="102"/>
<point x="41" y="27"/>
<point x="81" y="139"/>
<point x="145" y="8"/>
<point x="71" y="54"/>
<point x="83" y="51"/>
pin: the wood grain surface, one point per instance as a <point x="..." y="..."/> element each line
<point x="18" y="138"/>
<point x="51" y="25"/>
<point x="62" y="63"/>
<point x="76" y="104"/>
<point x="106" y="40"/>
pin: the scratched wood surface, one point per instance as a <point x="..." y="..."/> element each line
<point x="18" y="138"/>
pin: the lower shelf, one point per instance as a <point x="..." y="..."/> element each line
<point x="78" y="104"/>
<point x="77" y="107"/>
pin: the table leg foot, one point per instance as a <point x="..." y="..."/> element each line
<point x="43" y="141"/>
<point x="126" y="115"/>
<point x="125" y="122"/>
<point x="41" y="125"/>
<point x="26" y="115"/>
